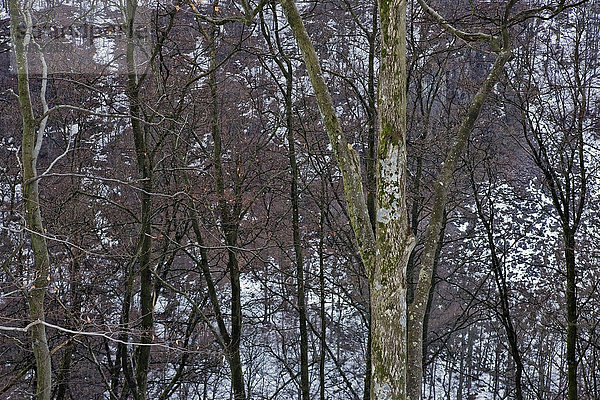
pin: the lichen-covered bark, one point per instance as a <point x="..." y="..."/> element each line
<point x="385" y="258"/>
<point x="395" y="241"/>
<point x="29" y="153"/>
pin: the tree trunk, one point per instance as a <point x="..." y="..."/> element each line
<point x="31" y="145"/>
<point x="418" y="307"/>
<point x="427" y="315"/>
<point x="304" y="382"/>
<point x="505" y="317"/>
<point x="395" y="240"/>
<point x="323" y="326"/>
<point x="285" y="66"/>
<point x="571" y="294"/>
<point x="76" y="300"/>
<point x="229" y="224"/>
<point x="371" y="168"/>
<point x="385" y="259"/>
<point x="144" y="164"/>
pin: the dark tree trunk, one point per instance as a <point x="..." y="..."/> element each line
<point x="229" y="224"/>
<point x="571" y="298"/>
<point x="144" y="251"/>
<point x="304" y="383"/>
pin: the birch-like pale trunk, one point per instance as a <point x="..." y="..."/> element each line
<point x="30" y="149"/>
<point x="385" y="258"/>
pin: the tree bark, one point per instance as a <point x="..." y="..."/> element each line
<point x="385" y="259"/>
<point x="395" y="240"/>
<point x="31" y="144"/>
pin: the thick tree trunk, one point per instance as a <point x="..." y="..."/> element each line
<point x="385" y="259"/>
<point x="30" y="148"/>
<point x="395" y="240"/>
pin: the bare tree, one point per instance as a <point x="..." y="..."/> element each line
<point x="556" y="139"/>
<point x="21" y="25"/>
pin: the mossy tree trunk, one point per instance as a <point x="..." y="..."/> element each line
<point x="385" y="258"/>
<point x="32" y="141"/>
<point x="395" y="240"/>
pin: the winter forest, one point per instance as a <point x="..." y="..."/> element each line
<point x="310" y="199"/>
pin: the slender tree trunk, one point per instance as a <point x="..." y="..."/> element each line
<point x="144" y="165"/>
<point x="461" y="377"/>
<point x="501" y="286"/>
<point x="371" y="181"/>
<point x="571" y="298"/>
<point x="284" y="64"/>
<point x="122" y="354"/>
<point x="427" y="315"/>
<point x="64" y="373"/>
<point x="235" y="362"/>
<point x="30" y="148"/>
<point x="418" y="307"/>
<point x="323" y="322"/>
<point x="229" y="224"/>
<point x="304" y="382"/>
<point x="371" y="161"/>
<point x="506" y="318"/>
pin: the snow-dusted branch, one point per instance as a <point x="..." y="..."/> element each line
<point x="104" y="335"/>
